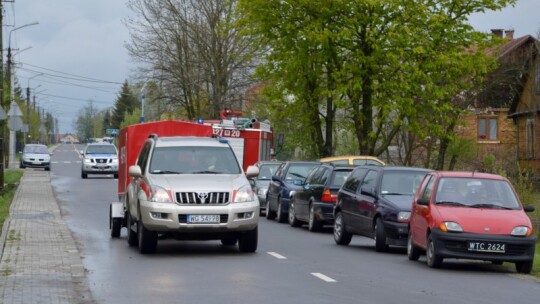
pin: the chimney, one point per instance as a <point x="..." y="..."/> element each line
<point x="497" y="32"/>
<point x="509" y="35"/>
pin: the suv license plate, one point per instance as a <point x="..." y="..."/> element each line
<point x="203" y="219"/>
<point x="487" y="247"/>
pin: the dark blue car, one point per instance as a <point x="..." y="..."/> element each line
<point x="376" y="202"/>
<point x="314" y="203"/>
<point x="289" y="177"/>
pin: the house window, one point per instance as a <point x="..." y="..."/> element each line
<point x="529" y="138"/>
<point x="488" y="128"/>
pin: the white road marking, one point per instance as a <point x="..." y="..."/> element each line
<point x="323" y="277"/>
<point x="277" y="255"/>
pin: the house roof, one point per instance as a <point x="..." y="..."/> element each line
<point x="504" y="86"/>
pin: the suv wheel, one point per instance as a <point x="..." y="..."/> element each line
<point x="313" y="223"/>
<point x="341" y="236"/>
<point x="269" y="213"/>
<point x="247" y="242"/>
<point x="147" y="239"/>
<point x="84" y="175"/>
<point x="292" y="216"/>
<point x="280" y="217"/>
<point x="413" y="252"/>
<point x="380" y="236"/>
<point x="433" y="260"/>
<point x="131" y="235"/>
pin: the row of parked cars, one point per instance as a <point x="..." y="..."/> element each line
<point x="468" y="215"/>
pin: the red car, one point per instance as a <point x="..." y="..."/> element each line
<point x="470" y="215"/>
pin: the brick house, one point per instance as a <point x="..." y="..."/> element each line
<point x="497" y="120"/>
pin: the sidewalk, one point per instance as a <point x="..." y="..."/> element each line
<point x="40" y="262"/>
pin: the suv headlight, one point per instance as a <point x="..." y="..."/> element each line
<point x="244" y="194"/>
<point x="88" y="160"/>
<point x="160" y="195"/>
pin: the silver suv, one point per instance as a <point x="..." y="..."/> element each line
<point x="99" y="158"/>
<point x="190" y="188"/>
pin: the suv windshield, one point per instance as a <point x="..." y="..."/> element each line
<point x="101" y="149"/>
<point x="194" y="160"/>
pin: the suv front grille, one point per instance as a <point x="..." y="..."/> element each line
<point x="202" y="198"/>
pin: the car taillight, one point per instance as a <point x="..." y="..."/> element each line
<point x="328" y="197"/>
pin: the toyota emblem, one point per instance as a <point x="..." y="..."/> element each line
<point x="202" y="196"/>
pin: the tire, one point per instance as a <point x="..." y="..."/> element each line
<point x="292" y="216"/>
<point x="47" y="168"/>
<point x="433" y="260"/>
<point x="413" y="252"/>
<point x="147" y="239"/>
<point x="247" y="242"/>
<point x="229" y="241"/>
<point x="380" y="236"/>
<point x="21" y="166"/>
<point x="131" y="236"/>
<point x="116" y="176"/>
<point x="281" y="216"/>
<point x="116" y="225"/>
<point x="341" y="236"/>
<point x="314" y="225"/>
<point x="270" y="215"/>
<point x="524" y="267"/>
<point x="84" y="175"/>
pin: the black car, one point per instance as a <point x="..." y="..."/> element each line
<point x="289" y="177"/>
<point x="314" y="202"/>
<point x="376" y="202"/>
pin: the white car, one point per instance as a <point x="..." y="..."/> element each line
<point x="99" y="158"/>
<point x="35" y="156"/>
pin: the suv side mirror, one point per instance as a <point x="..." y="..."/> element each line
<point x="252" y="171"/>
<point x="135" y="171"/>
<point x="81" y="152"/>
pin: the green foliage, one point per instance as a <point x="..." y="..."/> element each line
<point x="380" y="63"/>
<point x="131" y="118"/>
<point x="126" y="103"/>
<point x="11" y="179"/>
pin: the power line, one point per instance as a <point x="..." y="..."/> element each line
<point x="78" y="77"/>
<point x="78" y="99"/>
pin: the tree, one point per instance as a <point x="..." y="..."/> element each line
<point x="86" y="122"/>
<point x="194" y="50"/>
<point x="387" y="65"/>
<point x="125" y="103"/>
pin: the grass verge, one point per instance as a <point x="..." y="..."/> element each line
<point x="11" y="179"/>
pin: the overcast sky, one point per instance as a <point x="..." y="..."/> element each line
<point x="86" y="38"/>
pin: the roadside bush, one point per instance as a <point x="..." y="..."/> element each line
<point x="11" y="179"/>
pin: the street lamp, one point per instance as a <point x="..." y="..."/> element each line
<point x="14" y="109"/>
<point x="27" y="127"/>
<point x="142" y="100"/>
